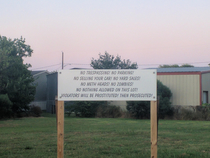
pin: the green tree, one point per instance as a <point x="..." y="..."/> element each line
<point x="5" y="106"/>
<point x="175" y="65"/>
<point x="186" y="65"/>
<point x="141" y="109"/>
<point x="164" y="94"/>
<point x="15" y="79"/>
<point x="108" y="61"/>
<point x="168" y="66"/>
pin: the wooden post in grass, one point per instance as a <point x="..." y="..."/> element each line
<point x="56" y="110"/>
<point x="153" y="120"/>
<point x="60" y="128"/>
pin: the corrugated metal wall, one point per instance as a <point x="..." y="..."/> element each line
<point x="185" y="88"/>
<point x="41" y="89"/>
<point x="52" y="82"/>
<point x="206" y="84"/>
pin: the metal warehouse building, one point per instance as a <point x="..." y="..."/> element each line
<point x="40" y="97"/>
<point x="190" y="86"/>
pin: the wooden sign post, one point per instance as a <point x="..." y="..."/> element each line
<point x="154" y="129"/>
<point x="60" y="128"/>
<point x="106" y="85"/>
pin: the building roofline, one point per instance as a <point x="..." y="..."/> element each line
<point x="183" y="70"/>
<point x="204" y="72"/>
<point x="41" y="72"/>
<point x="178" y="73"/>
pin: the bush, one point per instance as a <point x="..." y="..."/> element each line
<point x="36" y="111"/>
<point x="141" y="109"/>
<point x="68" y="107"/>
<point x="109" y="111"/>
<point x="188" y="114"/>
<point x="164" y="94"/>
<point x="205" y="110"/>
<point x="192" y="113"/>
<point x="5" y="106"/>
<point x="87" y="108"/>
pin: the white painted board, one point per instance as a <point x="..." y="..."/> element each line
<point x="107" y="85"/>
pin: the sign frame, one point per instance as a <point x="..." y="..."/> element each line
<point x="107" y="85"/>
<point x="60" y="108"/>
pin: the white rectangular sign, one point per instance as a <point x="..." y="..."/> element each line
<point x="107" y="84"/>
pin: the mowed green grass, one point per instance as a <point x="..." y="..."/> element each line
<point x="103" y="137"/>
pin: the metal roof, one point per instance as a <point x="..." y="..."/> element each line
<point x="37" y="72"/>
<point x="183" y="69"/>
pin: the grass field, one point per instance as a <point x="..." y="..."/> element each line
<point x="100" y="138"/>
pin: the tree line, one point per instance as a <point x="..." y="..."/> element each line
<point x="17" y="88"/>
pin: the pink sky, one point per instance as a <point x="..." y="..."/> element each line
<point x="147" y="32"/>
